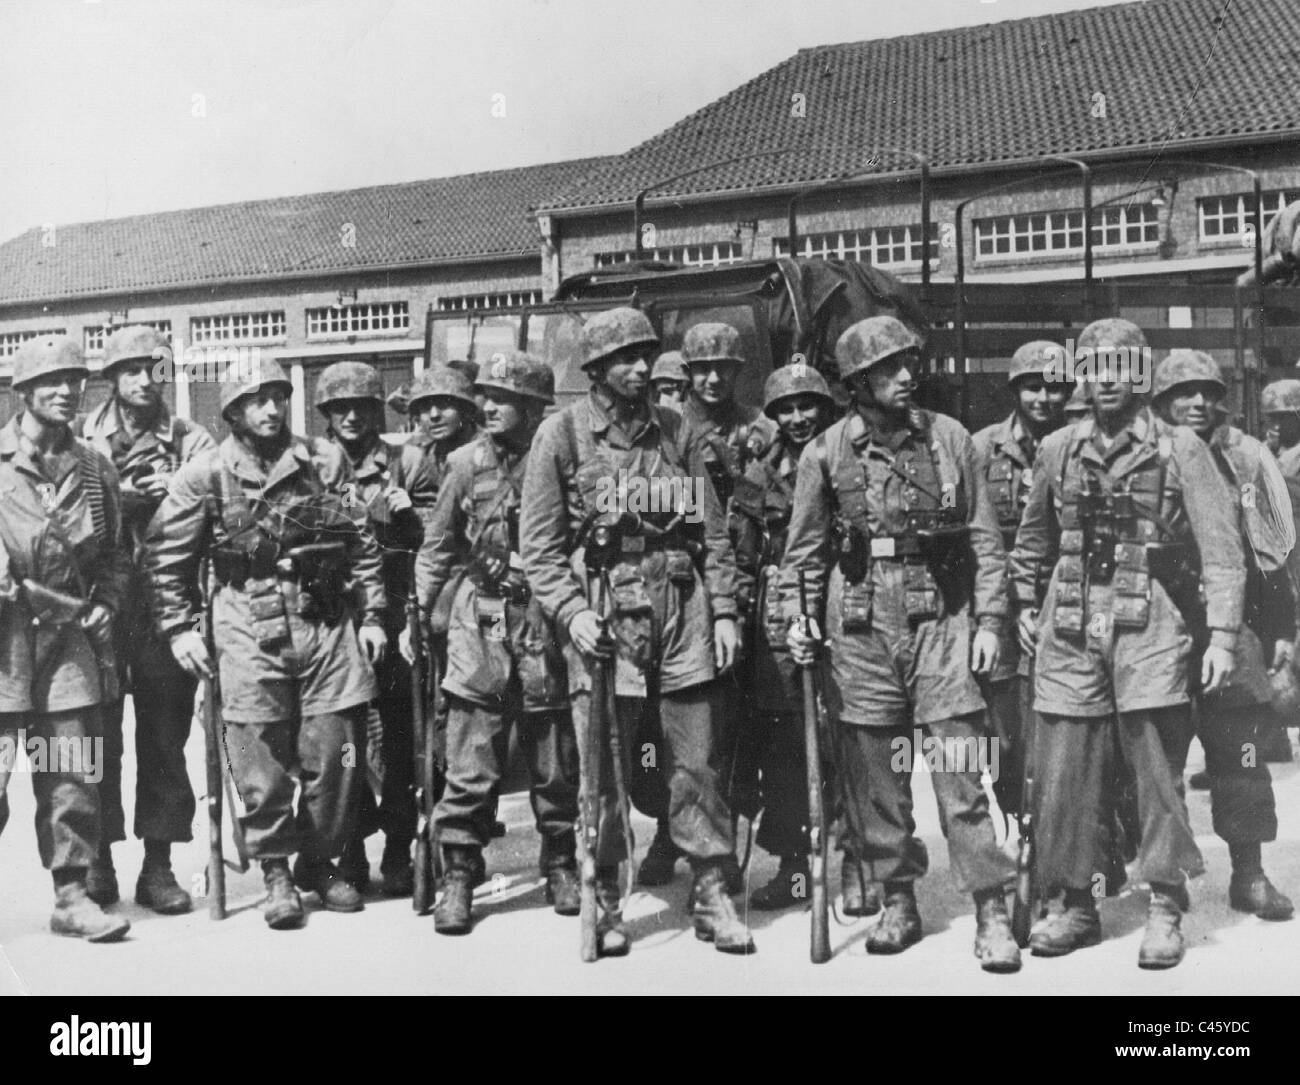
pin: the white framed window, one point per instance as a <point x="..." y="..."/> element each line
<point x="1131" y="226"/>
<point x="505" y="300"/>
<point x="368" y="318"/>
<point x="1223" y="218"/>
<point x="238" y="327"/>
<point x="880" y="245"/>
<point x="11" y="341"/>
<point x="96" y="335"/>
<point x="708" y="254"/>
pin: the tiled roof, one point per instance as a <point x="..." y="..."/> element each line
<point x="1169" y="70"/>
<point x="421" y="222"/>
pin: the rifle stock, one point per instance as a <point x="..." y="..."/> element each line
<point x="423" y="752"/>
<point x="819" y="949"/>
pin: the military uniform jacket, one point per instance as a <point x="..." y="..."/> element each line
<point x="60" y="525"/>
<point x="1143" y="662"/>
<point x="728" y="441"/>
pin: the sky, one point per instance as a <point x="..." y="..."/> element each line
<point x="121" y="107"/>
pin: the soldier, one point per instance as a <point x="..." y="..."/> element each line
<point x="797" y="399"/>
<point x="672" y="575"/>
<point x="1120" y="507"/>
<point x="266" y="509"/>
<point x="134" y="429"/>
<point x="1189" y="391"/>
<point x="384" y="479"/>
<point x="1281" y="407"/>
<point x="504" y="663"/>
<point x="893" y="526"/>
<point x="63" y="577"/>
<point x="1004" y="455"/>
<point x="669" y="380"/>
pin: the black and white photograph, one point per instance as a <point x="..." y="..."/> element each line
<point x="735" y="497"/>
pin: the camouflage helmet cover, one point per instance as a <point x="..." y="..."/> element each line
<point x="873" y="340"/>
<point x="1035" y="359"/>
<point x="518" y="373"/>
<point x="133" y="343"/>
<point x="712" y="342"/>
<point x="613" y="330"/>
<point x="45" y="354"/>
<point x="794" y="380"/>
<point x="348" y="380"/>
<point x="1186" y="367"/>
<point x="243" y="379"/>
<point x="1111" y="333"/>
<point x="1283" y="395"/>
<point x="670" y="366"/>
<point x="441" y="380"/>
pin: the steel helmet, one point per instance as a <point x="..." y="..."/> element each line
<point x="348" y="380"/>
<point x="1111" y="333"/>
<point x="670" y="366"/>
<point x="135" y="342"/>
<point x="441" y="380"/>
<point x="794" y="380"/>
<point x="873" y="340"/>
<point x="1283" y="395"/>
<point x="613" y="330"/>
<point x="712" y="342"/>
<point x="1186" y="367"/>
<point x="1036" y="358"/>
<point x="242" y="379"/>
<point x="519" y="373"/>
<point x="45" y="354"/>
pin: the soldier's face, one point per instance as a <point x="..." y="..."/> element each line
<point x="1041" y="402"/>
<point x="714" y="383"/>
<point x="889" y="383"/>
<point x="504" y="415"/>
<point x="1287" y="424"/>
<point x="1110" y="397"/>
<point x="263" y="413"/>
<point x="54" y="398"/>
<point x="627" y="372"/>
<point x="799" y="416"/>
<point x="134" y="384"/>
<point x="353" y="419"/>
<point x="668" y="393"/>
<point x="1196" y="405"/>
<point x="441" y="417"/>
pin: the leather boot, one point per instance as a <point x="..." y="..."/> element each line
<point x="714" y="913"/>
<point x="789" y="886"/>
<point x="562" y="891"/>
<point x="660" y="859"/>
<point x="397" y="869"/>
<point x="284" y="909"/>
<point x="1163" y="944"/>
<point x="453" y="914"/>
<point x="731" y="873"/>
<point x="611" y="938"/>
<point x="860" y="897"/>
<point x="1255" y="893"/>
<point x="353" y="866"/>
<point x="101" y="878"/>
<point x="1075" y="926"/>
<point x="900" y="924"/>
<point x="995" y="946"/>
<point x="78" y="916"/>
<point x="320" y="876"/>
<point x="157" y="888"/>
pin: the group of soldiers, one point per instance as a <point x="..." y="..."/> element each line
<point x="1088" y="594"/>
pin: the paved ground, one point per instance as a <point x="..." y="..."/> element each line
<point x="520" y="946"/>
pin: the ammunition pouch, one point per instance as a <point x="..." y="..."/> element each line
<point x="629" y="595"/>
<point x="855" y="606"/>
<point x="921" y="595"/>
<point x="269" y="614"/>
<point x="321" y="572"/>
<point x="852" y="549"/>
<point x="1070" y="584"/>
<point x="233" y="565"/>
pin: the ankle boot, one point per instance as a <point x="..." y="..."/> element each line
<point x="283" y="905"/>
<point x="714" y="914"/>
<point x="900" y="923"/>
<point x="995" y="946"/>
<point x="1163" y="944"/>
<point x="78" y="916"/>
<point x="453" y="914"/>
<point x="157" y="888"/>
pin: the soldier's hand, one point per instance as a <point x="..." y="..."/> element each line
<point x="397" y="499"/>
<point x="725" y="643"/>
<point x="1027" y="630"/>
<point x="153" y="485"/>
<point x="1217" y="666"/>
<point x="374" y="642"/>
<point x="1283" y="653"/>
<point x="95" y="621"/>
<point x="584" y="631"/>
<point x="192" y="654"/>
<point x="984" y="651"/>
<point x="802" y="645"/>
<point x="404" y="645"/>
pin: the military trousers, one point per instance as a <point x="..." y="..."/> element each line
<point x="325" y="755"/>
<point x="477" y="746"/>
<point x="783" y="828"/>
<point x="1242" y="807"/>
<point x="1072" y="767"/>
<point x="877" y="762"/>
<point x="64" y="764"/>
<point x="396" y="814"/>
<point x="698" y="818"/>
<point x="162" y="695"/>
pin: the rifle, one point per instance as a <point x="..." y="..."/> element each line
<point x="589" y="788"/>
<point x="215" y="769"/>
<point x="1025" y="906"/>
<point x="422" y="663"/>
<point x="819" y="950"/>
